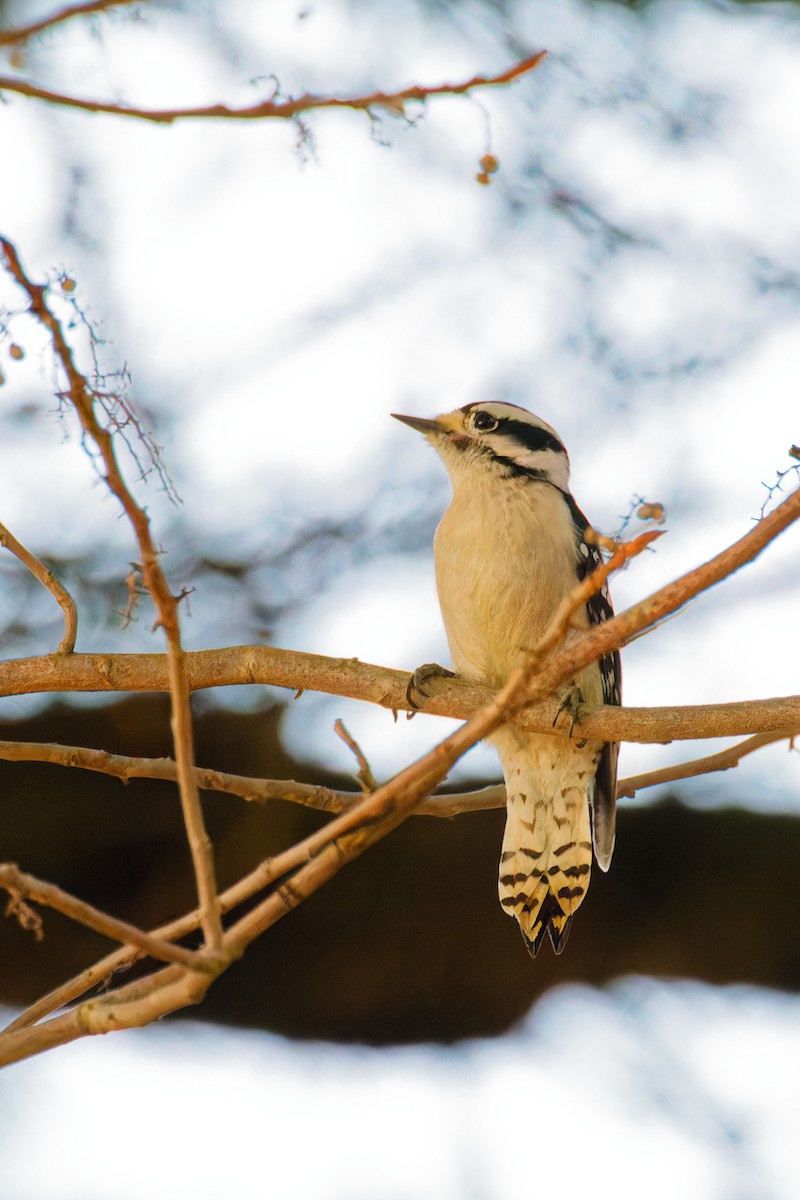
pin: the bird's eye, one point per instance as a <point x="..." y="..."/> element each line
<point x="484" y="422"/>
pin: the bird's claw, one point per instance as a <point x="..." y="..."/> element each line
<point x="422" y="675"/>
<point x="571" y="703"/>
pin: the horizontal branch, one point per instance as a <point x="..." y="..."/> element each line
<point x="285" y="110"/>
<point x="348" y="677"/>
<point x="331" y="800"/>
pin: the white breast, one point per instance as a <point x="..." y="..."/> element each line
<point x="506" y="556"/>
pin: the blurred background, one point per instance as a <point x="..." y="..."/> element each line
<point x="275" y="290"/>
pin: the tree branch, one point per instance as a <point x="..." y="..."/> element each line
<point x="53" y="585"/>
<point x="296" y="671"/>
<point x="330" y="800"/>
<point x="285" y="110"/>
<point x="14" y="37"/>
<point x="724" y="760"/>
<point x="22" y="887"/>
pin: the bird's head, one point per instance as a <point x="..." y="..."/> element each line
<point x="495" y="437"/>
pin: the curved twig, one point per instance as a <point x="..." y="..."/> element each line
<point x="53" y="585"/>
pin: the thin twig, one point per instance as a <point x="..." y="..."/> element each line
<point x="26" y="887"/>
<point x="82" y="398"/>
<point x="53" y="585"/>
<point x="14" y="37"/>
<point x="365" y="776"/>
<point x="723" y="760"/>
<point x="273" y="108"/>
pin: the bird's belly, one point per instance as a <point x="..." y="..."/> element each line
<point x="499" y="590"/>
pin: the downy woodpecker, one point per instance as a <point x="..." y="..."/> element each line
<point x="509" y="548"/>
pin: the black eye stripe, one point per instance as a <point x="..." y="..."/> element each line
<point x="532" y="437"/>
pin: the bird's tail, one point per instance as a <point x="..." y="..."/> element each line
<point x="547" y="847"/>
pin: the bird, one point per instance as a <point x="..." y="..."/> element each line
<point x="511" y="545"/>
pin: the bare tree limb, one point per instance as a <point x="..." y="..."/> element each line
<point x="285" y="110"/>
<point x="384" y="686"/>
<point x="83" y="398"/>
<point x="53" y="585"/>
<point x="365" y="775"/>
<point x="15" y="37"/>
<point x="330" y="800"/>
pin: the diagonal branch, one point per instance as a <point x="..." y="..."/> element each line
<point x="724" y="760"/>
<point x="285" y="110"/>
<point x="53" y="585"/>
<point x="22" y="887"/>
<point x="15" y="37"/>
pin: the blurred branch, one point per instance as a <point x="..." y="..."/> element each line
<point x="83" y="397"/>
<point x="15" y="37"/>
<point x="286" y="110"/>
<point x="46" y="577"/>
<point x="348" y="677"/>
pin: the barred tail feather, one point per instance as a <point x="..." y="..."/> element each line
<point x="547" y="847"/>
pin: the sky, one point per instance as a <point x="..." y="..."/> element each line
<point x="632" y="274"/>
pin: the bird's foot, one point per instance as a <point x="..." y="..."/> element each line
<point x="423" y="675"/>
<point x="571" y="703"/>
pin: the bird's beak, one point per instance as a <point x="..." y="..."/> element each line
<point x="421" y="424"/>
